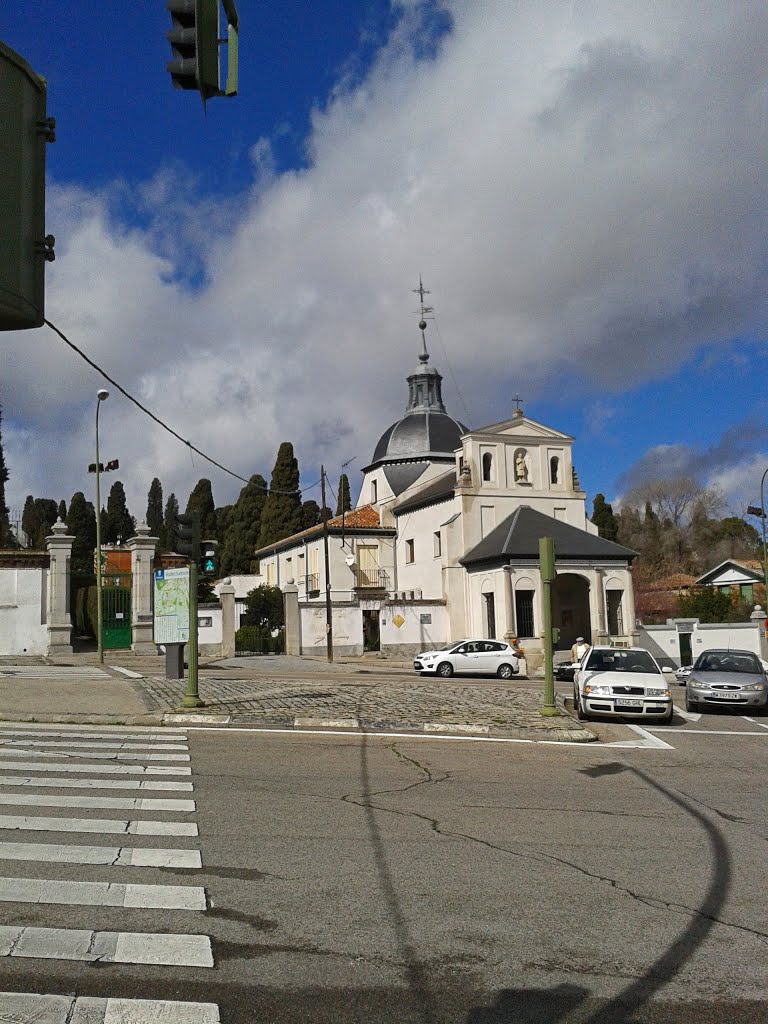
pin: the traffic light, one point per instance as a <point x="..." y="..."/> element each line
<point x="24" y="246"/>
<point x="194" y="40"/>
<point x="188" y="536"/>
<point x="209" y="558"/>
<point x="113" y="464"/>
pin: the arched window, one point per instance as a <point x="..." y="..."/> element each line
<point x="554" y="469"/>
<point x="487" y="466"/>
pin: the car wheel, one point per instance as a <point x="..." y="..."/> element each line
<point x="580" y="714"/>
<point x="689" y="704"/>
<point x="668" y="717"/>
<point x="505" y="672"/>
<point x="445" y="669"/>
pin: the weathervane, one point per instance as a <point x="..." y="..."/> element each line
<point x="424" y="312"/>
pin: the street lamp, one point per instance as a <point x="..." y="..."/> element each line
<point x="762" y="519"/>
<point x="101" y="396"/>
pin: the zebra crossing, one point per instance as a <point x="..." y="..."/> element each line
<point x="61" y="780"/>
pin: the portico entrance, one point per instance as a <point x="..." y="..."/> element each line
<point x="570" y="612"/>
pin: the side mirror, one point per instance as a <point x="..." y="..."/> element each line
<point x="667" y="669"/>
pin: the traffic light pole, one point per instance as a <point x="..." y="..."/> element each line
<point x="328" y="603"/>
<point x="191" y="698"/>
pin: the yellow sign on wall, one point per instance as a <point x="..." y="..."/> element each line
<point x="398" y="621"/>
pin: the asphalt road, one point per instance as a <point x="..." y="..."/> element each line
<point x="377" y="878"/>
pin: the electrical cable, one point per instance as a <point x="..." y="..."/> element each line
<point x="450" y="370"/>
<point x="190" y="446"/>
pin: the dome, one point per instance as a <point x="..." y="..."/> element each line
<point x="420" y="435"/>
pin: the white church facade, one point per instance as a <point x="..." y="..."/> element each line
<point x="443" y="542"/>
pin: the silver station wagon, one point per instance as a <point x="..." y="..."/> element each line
<point x="621" y="681"/>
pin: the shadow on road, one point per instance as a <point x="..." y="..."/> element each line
<point x="548" y="1006"/>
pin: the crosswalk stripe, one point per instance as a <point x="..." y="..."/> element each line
<point x="101" y="802"/>
<point x="140" y="784"/>
<point x="78" y="766"/>
<point x="106" y="947"/>
<point x="116" y="856"/>
<point x="102" y="894"/>
<point x="51" y="1009"/>
<point x="34" y="743"/>
<point x="70" y="752"/>
<point x="60" y="731"/>
<point x="104" y="826"/>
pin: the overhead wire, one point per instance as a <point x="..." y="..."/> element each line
<point x="161" y="423"/>
<point x="450" y="369"/>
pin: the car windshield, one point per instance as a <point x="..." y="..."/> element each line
<point x="728" y="661"/>
<point x="622" y="661"/>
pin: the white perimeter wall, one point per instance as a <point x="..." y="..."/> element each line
<point x="23" y="629"/>
<point x="664" y="641"/>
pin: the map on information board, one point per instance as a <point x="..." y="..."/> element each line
<point x="171" y="606"/>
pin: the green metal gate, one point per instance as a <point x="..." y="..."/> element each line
<point x="116" y="610"/>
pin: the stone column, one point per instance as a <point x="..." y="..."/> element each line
<point x="227" y="598"/>
<point x="600" y="631"/>
<point x="510" y="632"/>
<point x="142" y="548"/>
<point x="59" y="545"/>
<point x="631" y="627"/>
<point x="292" y="619"/>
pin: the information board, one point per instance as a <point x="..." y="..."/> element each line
<point x="172" y="606"/>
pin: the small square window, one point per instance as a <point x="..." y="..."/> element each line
<point x="409" y="555"/>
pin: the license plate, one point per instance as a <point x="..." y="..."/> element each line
<point x="627" y="702"/>
<point x="726" y="695"/>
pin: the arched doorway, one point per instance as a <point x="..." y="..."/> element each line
<point x="570" y="611"/>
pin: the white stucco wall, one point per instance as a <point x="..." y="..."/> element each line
<point x="663" y="641"/>
<point x="23" y="629"/>
<point x="425" y="573"/>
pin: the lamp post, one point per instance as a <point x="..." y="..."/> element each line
<point x="101" y="396"/>
<point x="762" y="519"/>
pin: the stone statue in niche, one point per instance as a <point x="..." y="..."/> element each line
<point x="521" y="467"/>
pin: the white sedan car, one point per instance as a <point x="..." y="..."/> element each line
<point x="492" y="657"/>
<point x="622" y="681"/>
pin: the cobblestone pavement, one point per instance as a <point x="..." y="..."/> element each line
<point x="380" y="704"/>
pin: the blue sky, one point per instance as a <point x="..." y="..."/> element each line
<point x="581" y="186"/>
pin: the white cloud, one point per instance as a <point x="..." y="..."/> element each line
<point x="581" y="185"/>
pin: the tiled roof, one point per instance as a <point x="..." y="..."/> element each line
<point x="364" y="518"/>
<point x="440" y="488"/>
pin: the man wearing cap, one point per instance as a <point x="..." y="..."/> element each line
<point x="579" y="649"/>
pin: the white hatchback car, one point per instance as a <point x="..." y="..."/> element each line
<point x="492" y="657"/>
<point x="621" y="681"/>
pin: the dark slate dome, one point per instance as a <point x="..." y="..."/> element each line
<point x="419" y="435"/>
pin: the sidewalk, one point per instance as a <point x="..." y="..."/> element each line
<point x="273" y="692"/>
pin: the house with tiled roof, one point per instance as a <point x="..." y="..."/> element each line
<point x="737" y="576"/>
<point x="444" y="541"/>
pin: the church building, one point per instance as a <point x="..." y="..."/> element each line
<point x="443" y="543"/>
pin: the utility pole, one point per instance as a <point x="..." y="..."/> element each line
<point x="328" y="605"/>
<point x="547" y="571"/>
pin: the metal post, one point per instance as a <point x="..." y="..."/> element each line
<point x="762" y="516"/>
<point x="101" y="396"/>
<point x="547" y="572"/>
<point x="328" y="605"/>
<point x="191" y="698"/>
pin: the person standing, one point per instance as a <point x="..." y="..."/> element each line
<point x="579" y="649"/>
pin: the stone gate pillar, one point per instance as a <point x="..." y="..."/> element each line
<point x="227" y="598"/>
<point x="59" y="545"/>
<point x="142" y="548"/>
<point x="292" y="620"/>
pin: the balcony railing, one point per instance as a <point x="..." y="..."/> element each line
<point x="312" y="583"/>
<point x="371" y="579"/>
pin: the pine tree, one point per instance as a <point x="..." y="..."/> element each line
<point x="604" y="519"/>
<point x="282" y="510"/>
<point x="154" y="517"/>
<point x="168" y="537"/>
<point x="344" y="503"/>
<point x="81" y="524"/>
<point x="201" y="501"/>
<point x="239" y="540"/>
<point x="6" y="536"/>
<point x="120" y="523"/>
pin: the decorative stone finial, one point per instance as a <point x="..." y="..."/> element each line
<point x="59" y="529"/>
<point x="142" y="530"/>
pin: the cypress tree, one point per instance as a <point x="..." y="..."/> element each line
<point x="6" y="537"/>
<point x="282" y="510"/>
<point x="201" y="501"/>
<point x="168" y="538"/>
<point x="604" y="519"/>
<point x="119" y="524"/>
<point x="154" y="518"/>
<point x="63" y="511"/>
<point x="27" y="520"/>
<point x="38" y="517"/>
<point x="343" y="504"/>
<point x="310" y="514"/>
<point x="239" y="541"/>
<point x="81" y="523"/>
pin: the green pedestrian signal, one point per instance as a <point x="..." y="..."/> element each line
<point x="209" y="558"/>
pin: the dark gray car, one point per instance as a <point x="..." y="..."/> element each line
<point x="726" y="679"/>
